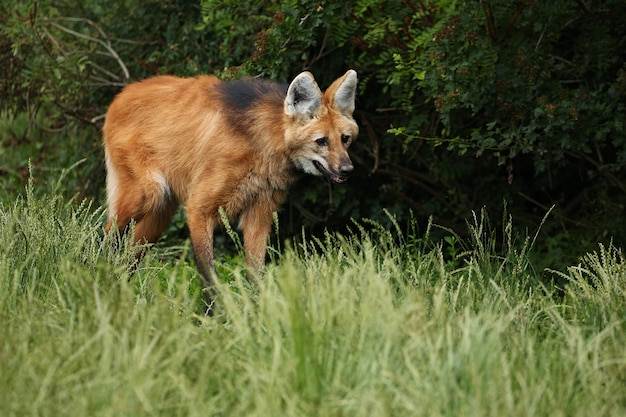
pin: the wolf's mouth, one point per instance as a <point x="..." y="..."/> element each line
<point x="337" y="179"/>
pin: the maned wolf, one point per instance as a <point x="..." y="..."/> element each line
<point x="208" y="144"/>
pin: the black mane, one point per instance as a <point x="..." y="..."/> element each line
<point x="240" y="95"/>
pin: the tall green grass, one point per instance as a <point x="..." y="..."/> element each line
<point x="369" y="324"/>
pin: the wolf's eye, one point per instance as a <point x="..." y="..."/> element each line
<point x="345" y="139"/>
<point x="321" y="141"/>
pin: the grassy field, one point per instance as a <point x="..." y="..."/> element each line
<point x="370" y="324"/>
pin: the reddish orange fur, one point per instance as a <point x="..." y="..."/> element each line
<point x="175" y="140"/>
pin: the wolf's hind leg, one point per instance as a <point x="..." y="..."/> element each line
<point x="149" y="203"/>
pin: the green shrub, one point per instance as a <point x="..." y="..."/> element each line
<point x="461" y="104"/>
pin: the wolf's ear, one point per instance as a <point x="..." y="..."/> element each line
<point x="343" y="93"/>
<point x="303" y="96"/>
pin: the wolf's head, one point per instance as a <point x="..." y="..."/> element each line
<point x="320" y="127"/>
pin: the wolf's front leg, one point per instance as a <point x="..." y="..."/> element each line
<point x="201" y="227"/>
<point x="256" y="223"/>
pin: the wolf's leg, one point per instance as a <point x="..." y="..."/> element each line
<point x="152" y="224"/>
<point x="146" y="200"/>
<point x="201" y="227"/>
<point x="256" y="223"/>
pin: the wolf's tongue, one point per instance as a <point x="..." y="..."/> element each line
<point x="333" y="177"/>
<point x="338" y="179"/>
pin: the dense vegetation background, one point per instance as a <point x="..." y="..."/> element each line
<point x="462" y="104"/>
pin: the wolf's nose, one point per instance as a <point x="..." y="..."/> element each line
<point x="346" y="170"/>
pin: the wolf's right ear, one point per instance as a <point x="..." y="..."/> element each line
<point x="304" y="97"/>
<point x="345" y="94"/>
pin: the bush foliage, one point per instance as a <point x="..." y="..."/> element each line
<point x="462" y="104"/>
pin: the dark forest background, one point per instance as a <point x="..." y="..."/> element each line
<point x="516" y="106"/>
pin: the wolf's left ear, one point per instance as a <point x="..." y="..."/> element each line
<point x="304" y="97"/>
<point x="343" y="92"/>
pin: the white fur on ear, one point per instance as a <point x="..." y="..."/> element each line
<point x="346" y="93"/>
<point x="303" y="96"/>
